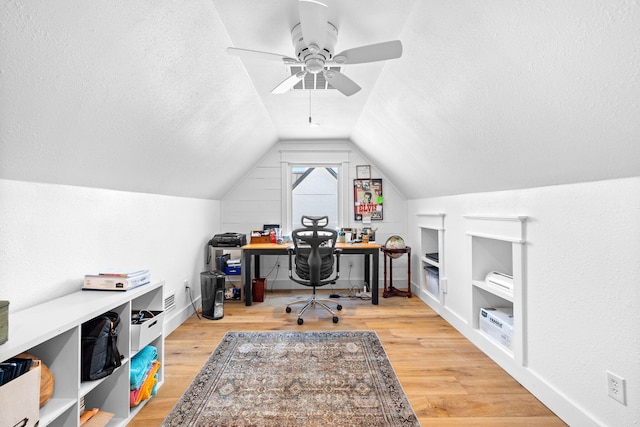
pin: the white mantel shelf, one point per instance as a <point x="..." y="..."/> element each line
<point x="434" y="221"/>
<point x="508" y="228"/>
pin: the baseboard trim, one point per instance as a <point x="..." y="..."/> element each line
<point x="557" y="402"/>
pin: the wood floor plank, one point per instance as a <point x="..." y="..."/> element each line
<point x="448" y="381"/>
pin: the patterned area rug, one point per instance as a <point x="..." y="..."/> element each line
<point x="278" y="379"/>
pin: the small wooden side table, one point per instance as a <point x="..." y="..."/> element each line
<point x="390" y="291"/>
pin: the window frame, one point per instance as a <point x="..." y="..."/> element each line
<point x="293" y="225"/>
<point x="338" y="160"/>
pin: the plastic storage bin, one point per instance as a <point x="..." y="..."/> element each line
<point x="433" y="280"/>
<point x="147" y="329"/>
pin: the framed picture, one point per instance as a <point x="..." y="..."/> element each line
<point x="367" y="199"/>
<point x="363" y="172"/>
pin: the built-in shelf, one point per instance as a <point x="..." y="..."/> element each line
<point x="432" y="280"/>
<point x="497" y="243"/>
<point x="430" y="261"/>
<point x="481" y="284"/>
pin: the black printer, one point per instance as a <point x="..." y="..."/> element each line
<point x="228" y="240"/>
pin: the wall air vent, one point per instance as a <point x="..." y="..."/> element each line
<point x="170" y="301"/>
<point x="313" y="81"/>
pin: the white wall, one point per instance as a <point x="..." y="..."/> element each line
<point x="257" y="200"/>
<point x="52" y="235"/>
<point x="582" y="274"/>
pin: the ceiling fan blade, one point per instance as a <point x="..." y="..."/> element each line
<point x="289" y="83"/>
<point x="341" y="82"/>
<point x="370" y="53"/>
<point x="255" y="54"/>
<point x="313" y="22"/>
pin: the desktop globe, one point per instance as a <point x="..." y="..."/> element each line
<point x="395" y="242"/>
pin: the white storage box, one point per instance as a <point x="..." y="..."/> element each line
<point x="20" y="399"/>
<point x="146" y="330"/>
<point x="433" y="280"/>
<point x="497" y="323"/>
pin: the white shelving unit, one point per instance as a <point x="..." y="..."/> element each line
<point x="432" y="242"/>
<point x="498" y="244"/>
<point x="52" y="332"/>
<point x="231" y="280"/>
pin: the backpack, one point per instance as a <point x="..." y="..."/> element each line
<point x="99" y="353"/>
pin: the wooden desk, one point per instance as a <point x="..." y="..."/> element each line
<point x="252" y="252"/>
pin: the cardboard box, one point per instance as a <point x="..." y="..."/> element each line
<point x="4" y="321"/>
<point x="497" y="323"/>
<point x="257" y="236"/>
<point x="148" y="330"/>
<point x="20" y="399"/>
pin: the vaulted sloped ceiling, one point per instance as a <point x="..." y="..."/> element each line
<point x="488" y="95"/>
<point x="495" y="95"/>
<point x="136" y="96"/>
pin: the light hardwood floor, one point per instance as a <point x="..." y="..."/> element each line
<point x="448" y="381"/>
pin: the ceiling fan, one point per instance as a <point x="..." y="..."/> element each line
<point x="314" y="39"/>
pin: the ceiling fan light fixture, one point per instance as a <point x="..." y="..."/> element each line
<point x="340" y="59"/>
<point x="314" y="39"/>
<point x="314" y="65"/>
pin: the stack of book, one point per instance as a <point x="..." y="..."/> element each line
<point x="116" y="280"/>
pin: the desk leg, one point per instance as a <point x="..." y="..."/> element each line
<point x="367" y="271"/>
<point x="246" y="267"/>
<point x="256" y="262"/>
<point x="374" y="285"/>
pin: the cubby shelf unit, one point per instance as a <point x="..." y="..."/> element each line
<point x="497" y="243"/>
<point x="51" y="331"/>
<point x="431" y="226"/>
<point x="231" y="280"/>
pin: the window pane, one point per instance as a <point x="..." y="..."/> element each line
<point x="314" y="191"/>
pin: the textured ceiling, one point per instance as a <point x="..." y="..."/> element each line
<point x="488" y="95"/>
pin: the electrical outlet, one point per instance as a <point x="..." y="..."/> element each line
<point x="186" y="285"/>
<point x="444" y="285"/>
<point x="616" y="387"/>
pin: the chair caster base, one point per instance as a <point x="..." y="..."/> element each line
<point x="312" y="303"/>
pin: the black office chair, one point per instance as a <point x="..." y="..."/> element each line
<point x="315" y="252"/>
